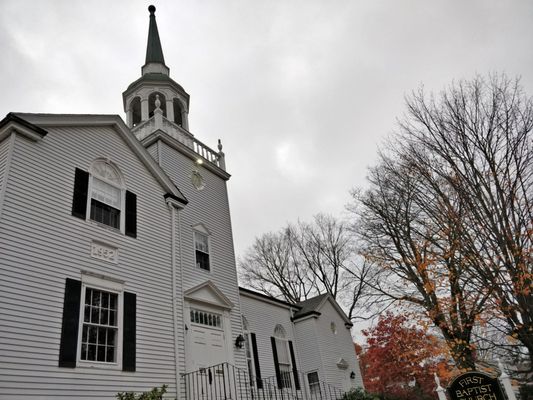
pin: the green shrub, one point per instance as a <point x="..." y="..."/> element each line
<point x="154" y="394"/>
<point x="358" y="394"/>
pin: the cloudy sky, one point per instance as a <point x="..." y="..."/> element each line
<point x="301" y="92"/>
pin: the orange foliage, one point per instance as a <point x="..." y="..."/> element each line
<point x="400" y="360"/>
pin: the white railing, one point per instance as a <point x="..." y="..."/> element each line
<point x="149" y="126"/>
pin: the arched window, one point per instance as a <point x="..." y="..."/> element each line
<point x="135" y="108"/>
<point x="106" y="193"/>
<point x="282" y="357"/>
<point x="279" y="332"/>
<point x="252" y="361"/>
<point x="177" y="112"/>
<point x="151" y="103"/>
<point x="101" y="194"/>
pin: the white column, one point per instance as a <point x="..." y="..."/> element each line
<point x="170" y="110"/>
<point x="144" y="109"/>
<point x="184" y="120"/>
<point x="441" y="392"/>
<point x="129" y="120"/>
<point x="506" y="382"/>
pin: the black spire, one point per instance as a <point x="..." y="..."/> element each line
<point x="154" y="52"/>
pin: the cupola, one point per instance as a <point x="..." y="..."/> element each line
<point x="155" y="90"/>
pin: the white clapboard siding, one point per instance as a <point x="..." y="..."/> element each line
<point x="41" y="244"/>
<point x="333" y="347"/>
<point x="4" y="148"/>
<point x="262" y="317"/>
<point x="307" y="346"/>
<point x="209" y="207"/>
<point x="4" y="160"/>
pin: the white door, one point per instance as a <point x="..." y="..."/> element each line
<point x="206" y="353"/>
<point x="207" y="341"/>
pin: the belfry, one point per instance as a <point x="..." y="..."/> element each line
<point x="141" y="96"/>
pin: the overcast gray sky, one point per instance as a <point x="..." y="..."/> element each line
<point x="301" y="92"/>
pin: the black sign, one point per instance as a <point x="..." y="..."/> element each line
<point x="475" y="386"/>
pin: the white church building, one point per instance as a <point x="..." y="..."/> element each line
<point x="117" y="265"/>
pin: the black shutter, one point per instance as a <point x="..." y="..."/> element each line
<point x="128" y="342"/>
<point x="276" y="362"/>
<point x="258" y="380"/>
<point x="131" y="214"/>
<point x="79" y="198"/>
<point x="71" y="320"/>
<point x="294" y="369"/>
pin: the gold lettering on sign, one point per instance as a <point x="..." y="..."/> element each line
<point x="104" y="252"/>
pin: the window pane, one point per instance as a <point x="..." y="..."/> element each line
<point x="202" y="260"/>
<point x="110" y="357"/>
<point x="283" y="353"/>
<point x="201" y="242"/>
<point x="91" y="355"/>
<point x="105" y="214"/>
<point x="105" y="193"/>
<point x="111" y="337"/>
<point x="100" y="353"/>
<point x="99" y="340"/>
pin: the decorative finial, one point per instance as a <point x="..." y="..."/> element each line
<point x="219" y="145"/>
<point x="157" y="101"/>
<point x="151" y="8"/>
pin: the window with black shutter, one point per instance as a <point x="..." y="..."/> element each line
<point x="91" y="332"/>
<point x="101" y="195"/>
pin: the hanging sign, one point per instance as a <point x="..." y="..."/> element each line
<point x="475" y="386"/>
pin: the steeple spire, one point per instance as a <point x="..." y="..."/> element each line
<point x="155" y="62"/>
<point x="154" y="51"/>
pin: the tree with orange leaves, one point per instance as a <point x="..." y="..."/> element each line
<point x="400" y="360"/>
<point x="448" y="217"/>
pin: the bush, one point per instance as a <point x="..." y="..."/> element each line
<point x="154" y="394"/>
<point x="358" y="394"/>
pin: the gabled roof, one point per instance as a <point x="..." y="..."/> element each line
<point x="37" y="122"/>
<point x="264" y="297"/>
<point x="310" y="306"/>
<point x="313" y="306"/>
<point x="208" y="293"/>
<point x="12" y="122"/>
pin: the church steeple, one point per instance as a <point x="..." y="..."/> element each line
<point x="154" y="52"/>
<point x="154" y="87"/>
<point x="155" y="61"/>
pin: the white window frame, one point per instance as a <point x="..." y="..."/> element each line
<point x="282" y="342"/>
<point x="315" y="384"/>
<point x="107" y="285"/>
<point x="248" y="347"/>
<point x="220" y="317"/>
<point x="200" y="229"/>
<point x="118" y="183"/>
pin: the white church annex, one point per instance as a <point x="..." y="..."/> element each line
<point x="117" y="266"/>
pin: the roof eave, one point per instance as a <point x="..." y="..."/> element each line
<point x="114" y="121"/>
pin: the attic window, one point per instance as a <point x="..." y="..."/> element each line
<point x="333" y="328"/>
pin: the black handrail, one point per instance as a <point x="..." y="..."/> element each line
<point x="227" y="382"/>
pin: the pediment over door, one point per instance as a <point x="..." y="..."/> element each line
<point x="208" y="293"/>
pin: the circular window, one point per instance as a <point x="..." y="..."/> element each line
<point x="333" y="328"/>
